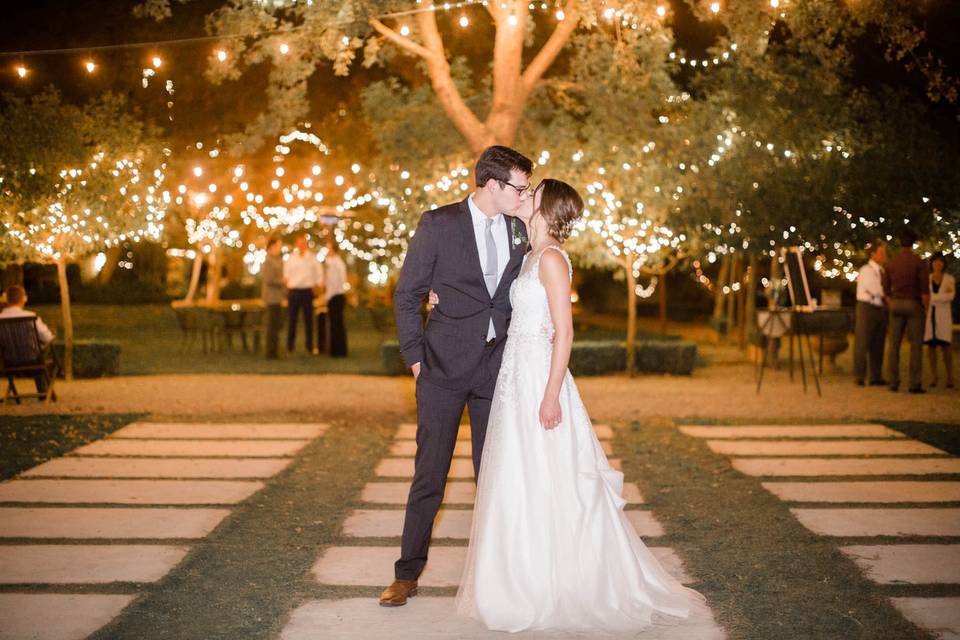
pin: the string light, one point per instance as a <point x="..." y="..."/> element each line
<point x="284" y="48"/>
<point x="90" y="66"/>
<point x="715" y="7"/>
<point x="465" y="22"/>
<point x="221" y="55"/>
<point x="22" y="71"/>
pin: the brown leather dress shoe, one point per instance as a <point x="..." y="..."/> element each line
<point x="397" y="593"/>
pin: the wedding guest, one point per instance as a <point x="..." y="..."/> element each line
<point x="938" y="333"/>
<point x="16" y="301"/>
<point x="871" y="317"/>
<point x="301" y="276"/>
<point x="273" y="294"/>
<point x="907" y="287"/>
<point x="335" y="280"/>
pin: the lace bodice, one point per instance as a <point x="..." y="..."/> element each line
<point x="528" y="297"/>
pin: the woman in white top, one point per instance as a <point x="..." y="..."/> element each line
<point x="939" y="330"/>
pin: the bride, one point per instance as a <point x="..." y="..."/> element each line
<point x="550" y="545"/>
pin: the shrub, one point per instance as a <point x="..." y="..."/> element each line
<point x="597" y="357"/>
<point x="92" y="358"/>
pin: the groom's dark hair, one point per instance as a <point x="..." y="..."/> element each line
<point x="496" y="162"/>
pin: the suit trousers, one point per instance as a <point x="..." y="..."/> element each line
<point x="336" y="330"/>
<point x="274" y="322"/>
<point x="906" y="317"/>
<point x="870" y="334"/>
<point x="438" y="421"/>
<point x="300" y="301"/>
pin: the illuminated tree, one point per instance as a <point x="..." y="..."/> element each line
<point x="74" y="180"/>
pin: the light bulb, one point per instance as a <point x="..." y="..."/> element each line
<point x="221" y="55"/>
<point x="404" y="30"/>
<point x="197" y="171"/>
<point x="715" y="7"/>
<point x="156" y="61"/>
<point x="90" y="66"/>
<point x="661" y="11"/>
<point x="284" y="48"/>
<point x="464" y="22"/>
<point x="560" y="15"/>
<point x="22" y="71"/>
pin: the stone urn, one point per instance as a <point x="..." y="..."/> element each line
<point x="833" y="345"/>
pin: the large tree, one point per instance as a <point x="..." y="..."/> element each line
<point x="75" y="180"/>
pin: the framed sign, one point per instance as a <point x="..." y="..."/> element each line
<point x="796" y="278"/>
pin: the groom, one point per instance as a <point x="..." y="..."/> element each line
<point x="469" y="253"/>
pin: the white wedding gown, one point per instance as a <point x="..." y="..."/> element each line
<point x="550" y="546"/>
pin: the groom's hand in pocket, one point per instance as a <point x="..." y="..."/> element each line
<point x="416" y="371"/>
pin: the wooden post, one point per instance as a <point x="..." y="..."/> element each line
<point x="67" y="317"/>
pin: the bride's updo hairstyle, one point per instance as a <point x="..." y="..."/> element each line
<point x="561" y="206"/>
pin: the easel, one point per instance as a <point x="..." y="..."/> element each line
<point x="800" y="300"/>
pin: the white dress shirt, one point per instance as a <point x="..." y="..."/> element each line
<point x="334" y="275"/>
<point x="501" y="237"/>
<point x="14" y="311"/>
<point x="302" y="271"/>
<point x="870" y="284"/>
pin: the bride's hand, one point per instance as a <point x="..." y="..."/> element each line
<point x="433" y="299"/>
<point x="550" y="413"/>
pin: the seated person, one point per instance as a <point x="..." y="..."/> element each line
<point x="16" y="300"/>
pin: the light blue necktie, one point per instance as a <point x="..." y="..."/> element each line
<point x="490" y="270"/>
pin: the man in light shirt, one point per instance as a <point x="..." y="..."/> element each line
<point x="335" y="281"/>
<point x="871" y="317"/>
<point x="16" y="301"/>
<point x="302" y="276"/>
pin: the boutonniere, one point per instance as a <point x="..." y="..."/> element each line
<point x="519" y="237"/>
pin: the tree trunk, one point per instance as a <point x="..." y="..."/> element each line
<point x="110" y="265"/>
<point x="731" y="297"/>
<point x="742" y="312"/>
<point x="67" y="317"/>
<point x="662" y="298"/>
<point x="512" y="84"/>
<point x="718" y="298"/>
<point x="213" y="276"/>
<point x="752" y="293"/>
<point x="194" y="277"/>
<point x="631" y="317"/>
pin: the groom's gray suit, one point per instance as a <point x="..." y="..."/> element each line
<point x="459" y="365"/>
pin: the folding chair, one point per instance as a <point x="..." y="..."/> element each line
<point x="22" y="355"/>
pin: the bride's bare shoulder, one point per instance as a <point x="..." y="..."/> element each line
<point x="554" y="265"/>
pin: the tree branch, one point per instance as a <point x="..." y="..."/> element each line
<point x="550" y="50"/>
<point x="466" y="122"/>
<point x="401" y="41"/>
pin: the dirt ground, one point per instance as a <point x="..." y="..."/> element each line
<point x="713" y="392"/>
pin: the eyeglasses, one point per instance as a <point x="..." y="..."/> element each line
<point x="520" y="190"/>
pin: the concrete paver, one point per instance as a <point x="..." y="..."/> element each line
<point x="87" y="564"/>
<point x="908" y="563"/>
<point x="120" y="522"/>
<point x="129" y="491"/>
<point x="27" y="616"/>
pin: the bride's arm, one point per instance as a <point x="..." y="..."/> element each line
<point x="555" y="276"/>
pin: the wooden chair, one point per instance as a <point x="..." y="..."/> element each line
<point x="22" y="355"/>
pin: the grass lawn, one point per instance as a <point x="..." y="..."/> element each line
<point x="150" y="343"/>
<point x="26" y="441"/>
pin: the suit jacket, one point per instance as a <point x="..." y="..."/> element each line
<point x="443" y="256"/>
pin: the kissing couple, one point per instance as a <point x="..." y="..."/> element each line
<point x="550" y="546"/>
